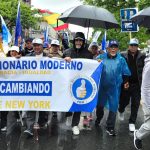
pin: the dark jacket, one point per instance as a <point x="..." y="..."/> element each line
<point x="65" y="44"/>
<point x="139" y="63"/>
<point x="74" y="53"/>
<point x="78" y="53"/>
<point x="27" y="52"/>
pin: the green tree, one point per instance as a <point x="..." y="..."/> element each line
<point x="114" y="7"/>
<point x="8" y="9"/>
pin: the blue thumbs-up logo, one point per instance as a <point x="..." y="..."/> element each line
<point x="83" y="89"/>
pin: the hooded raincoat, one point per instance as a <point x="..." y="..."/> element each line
<point x="111" y="80"/>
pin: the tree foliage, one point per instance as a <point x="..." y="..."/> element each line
<point x="8" y="9"/>
<point x="114" y="7"/>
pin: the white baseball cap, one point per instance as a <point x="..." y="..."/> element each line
<point x="14" y="48"/>
<point x="134" y="41"/>
<point x="55" y="42"/>
<point x="37" y="41"/>
<point x="93" y="44"/>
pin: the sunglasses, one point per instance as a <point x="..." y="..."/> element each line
<point x="78" y="40"/>
<point x="133" y="45"/>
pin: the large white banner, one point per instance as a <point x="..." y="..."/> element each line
<point x="45" y="84"/>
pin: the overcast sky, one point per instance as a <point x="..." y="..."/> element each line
<point x="57" y="6"/>
<point x="60" y="6"/>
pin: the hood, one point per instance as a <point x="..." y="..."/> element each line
<point x="81" y="36"/>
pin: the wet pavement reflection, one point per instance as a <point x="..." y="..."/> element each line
<point x="59" y="137"/>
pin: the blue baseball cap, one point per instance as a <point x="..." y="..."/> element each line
<point x="113" y="42"/>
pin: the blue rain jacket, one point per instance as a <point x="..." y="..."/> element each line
<point x="111" y="80"/>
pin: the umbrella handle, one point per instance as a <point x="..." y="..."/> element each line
<point x="88" y="29"/>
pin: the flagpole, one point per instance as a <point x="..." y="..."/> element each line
<point x="88" y="30"/>
<point x="18" y="26"/>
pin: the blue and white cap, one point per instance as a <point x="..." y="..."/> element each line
<point x="113" y="42"/>
<point x="134" y="41"/>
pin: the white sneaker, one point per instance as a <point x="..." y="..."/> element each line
<point x="28" y="132"/>
<point x="69" y="121"/>
<point x="131" y="127"/>
<point x="4" y="129"/>
<point x="76" y="130"/>
<point x="24" y="114"/>
<point x="121" y="116"/>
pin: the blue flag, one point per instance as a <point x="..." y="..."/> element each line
<point x="5" y="33"/>
<point x="18" y="27"/>
<point x="104" y="42"/>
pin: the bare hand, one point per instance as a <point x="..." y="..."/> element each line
<point x="99" y="60"/>
<point x="18" y="56"/>
<point x="126" y="85"/>
<point x="68" y="59"/>
<point x="50" y="55"/>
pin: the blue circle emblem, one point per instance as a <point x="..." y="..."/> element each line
<point x="83" y="90"/>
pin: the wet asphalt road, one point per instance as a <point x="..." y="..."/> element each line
<point x="59" y="137"/>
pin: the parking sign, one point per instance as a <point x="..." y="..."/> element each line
<point x="127" y="25"/>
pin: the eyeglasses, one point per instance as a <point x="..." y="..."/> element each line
<point x="114" y="46"/>
<point x="133" y="45"/>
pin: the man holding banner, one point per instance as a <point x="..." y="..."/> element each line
<point x="31" y="115"/>
<point x="43" y="84"/>
<point x="78" y="51"/>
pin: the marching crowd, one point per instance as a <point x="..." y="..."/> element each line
<point x="121" y="83"/>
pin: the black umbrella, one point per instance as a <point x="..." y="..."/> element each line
<point x="142" y="17"/>
<point x="89" y="16"/>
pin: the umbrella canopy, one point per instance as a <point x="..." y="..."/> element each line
<point x="142" y="17"/>
<point x="89" y="16"/>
